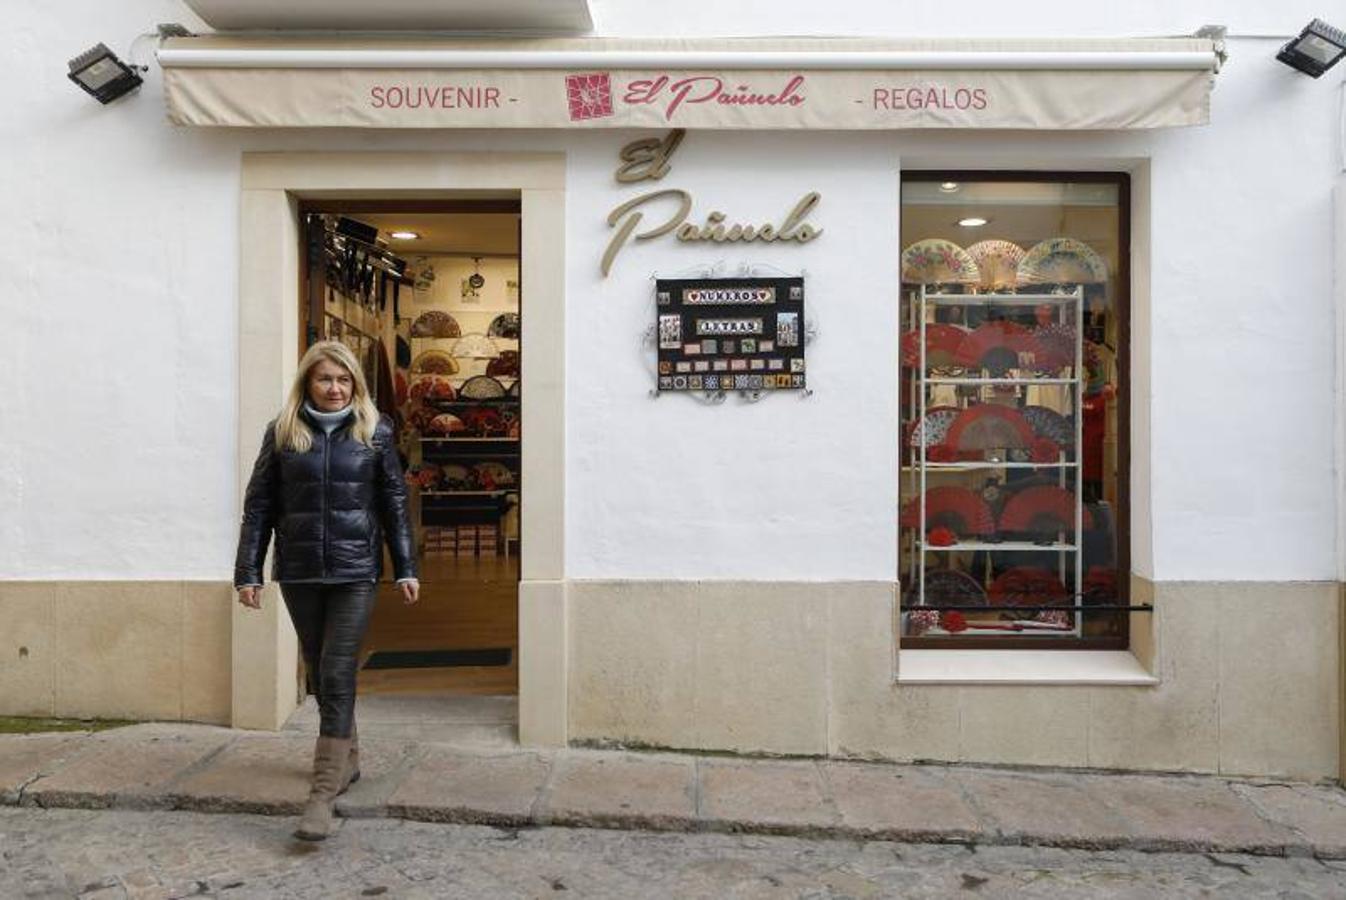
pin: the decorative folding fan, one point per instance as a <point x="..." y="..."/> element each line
<point x="445" y="423"/>
<point x="475" y="346"/>
<point x="941" y="343"/>
<point x="937" y="261"/>
<point x="1062" y="260"/>
<point x="485" y="422"/>
<point x="506" y="365"/>
<point x="493" y="475"/>
<point x="434" y="362"/>
<point x="989" y="426"/>
<point x="435" y="323"/>
<point x="482" y="387"/>
<point x="1055" y="347"/>
<point x="995" y="346"/>
<point x="514" y="388"/>
<point x="945" y="587"/>
<point x="933" y="427"/>
<point x="998" y="263"/>
<point x="433" y="387"/>
<point x="1027" y="586"/>
<point x="1044" y="509"/>
<point x="400" y="388"/>
<point x="1100" y="585"/>
<point x="957" y="508"/>
<point x="403" y="348"/>
<point x="505" y="325"/>
<point x="1050" y="424"/>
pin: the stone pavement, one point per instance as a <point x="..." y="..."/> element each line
<point x="157" y="766"/>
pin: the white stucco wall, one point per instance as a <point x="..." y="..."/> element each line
<point x="118" y="283"/>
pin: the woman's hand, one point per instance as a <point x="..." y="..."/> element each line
<point x="411" y="590"/>
<point x="250" y="596"/>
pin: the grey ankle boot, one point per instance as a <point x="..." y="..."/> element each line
<point x="330" y="758"/>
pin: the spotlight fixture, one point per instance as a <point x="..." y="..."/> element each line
<point x="404" y="235"/>
<point x="1318" y="48"/>
<point x="948" y="187"/>
<point x="99" y="72"/>
<point x="973" y="222"/>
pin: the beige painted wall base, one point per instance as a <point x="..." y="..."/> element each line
<point x="807" y="668"/>
<point x="116" y="650"/>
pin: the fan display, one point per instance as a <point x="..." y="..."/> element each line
<point x="481" y="387"/>
<point x="997" y="263"/>
<point x="434" y="362"/>
<point x="932" y="429"/>
<point x="993" y="459"/>
<point x="493" y="475"/>
<point x="995" y="346"/>
<point x="445" y="424"/>
<point x="946" y="587"/>
<point x="506" y="365"/>
<point x="475" y="346"/>
<point x="505" y="325"/>
<point x="1062" y="260"/>
<point x="433" y="387"/>
<point x="1043" y="509"/>
<point x="937" y="261"/>
<point x="989" y="426"/>
<point x="961" y="510"/>
<point x="941" y="345"/>
<point x="1050" y="424"/>
<point x="436" y="323"/>
<point x="1027" y="586"/>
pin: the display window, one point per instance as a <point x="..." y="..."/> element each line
<point x="1012" y="510"/>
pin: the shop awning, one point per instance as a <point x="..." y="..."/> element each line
<point x="842" y="83"/>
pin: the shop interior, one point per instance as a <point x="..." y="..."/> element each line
<point x="1012" y="404"/>
<point x="427" y="295"/>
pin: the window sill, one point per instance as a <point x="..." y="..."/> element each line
<point x="1032" y="667"/>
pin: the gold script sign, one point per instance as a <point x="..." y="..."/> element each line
<point x="649" y="159"/>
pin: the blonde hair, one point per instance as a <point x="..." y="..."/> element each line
<point x="292" y="432"/>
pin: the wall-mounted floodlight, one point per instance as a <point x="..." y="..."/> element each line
<point x="1318" y="48"/>
<point x="102" y="74"/>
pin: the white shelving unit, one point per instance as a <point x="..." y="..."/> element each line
<point x="1069" y="310"/>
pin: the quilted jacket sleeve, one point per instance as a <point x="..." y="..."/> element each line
<point x="393" y="503"/>
<point x="260" y="507"/>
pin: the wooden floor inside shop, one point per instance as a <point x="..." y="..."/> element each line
<point x="466" y="604"/>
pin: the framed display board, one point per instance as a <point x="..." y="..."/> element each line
<point x="723" y="334"/>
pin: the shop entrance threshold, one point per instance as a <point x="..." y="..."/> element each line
<point x="467" y="721"/>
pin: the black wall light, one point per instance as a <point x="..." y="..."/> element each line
<point x="99" y="72"/>
<point x="1318" y="48"/>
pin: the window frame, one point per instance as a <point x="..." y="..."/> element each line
<point x="1122" y="305"/>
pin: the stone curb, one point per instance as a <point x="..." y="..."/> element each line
<point x="1274" y="834"/>
<point x="463" y="815"/>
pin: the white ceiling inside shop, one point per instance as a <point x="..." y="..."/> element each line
<point x="466" y="234"/>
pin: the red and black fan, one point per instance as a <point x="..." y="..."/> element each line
<point x="945" y="587"/>
<point x="958" y="509"/>
<point x="1028" y="586"/>
<point x="989" y="426"/>
<point x="1042" y="510"/>
<point x="941" y="345"/>
<point x="995" y="346"/>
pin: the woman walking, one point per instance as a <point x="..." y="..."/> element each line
<point x="328" y="483"/>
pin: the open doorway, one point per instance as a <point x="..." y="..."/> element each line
<point x="428" y="296"/>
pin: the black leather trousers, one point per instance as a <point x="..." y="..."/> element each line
<point x="331" y="620"/>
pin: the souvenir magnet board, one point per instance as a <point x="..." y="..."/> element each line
<point x="727" y="334"/>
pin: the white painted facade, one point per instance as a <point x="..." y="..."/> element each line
<point x="120" y="297"/>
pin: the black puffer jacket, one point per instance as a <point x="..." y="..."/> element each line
<point x="330" y="509"/>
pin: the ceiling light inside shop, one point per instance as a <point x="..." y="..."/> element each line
<point x="973" y="222"/>
<point x="404" y="236"/>
<point x="948" y="187"/>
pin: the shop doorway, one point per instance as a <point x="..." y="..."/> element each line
<point x="427" y="294"/>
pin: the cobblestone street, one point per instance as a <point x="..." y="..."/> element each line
<point x="110" y="854"/>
